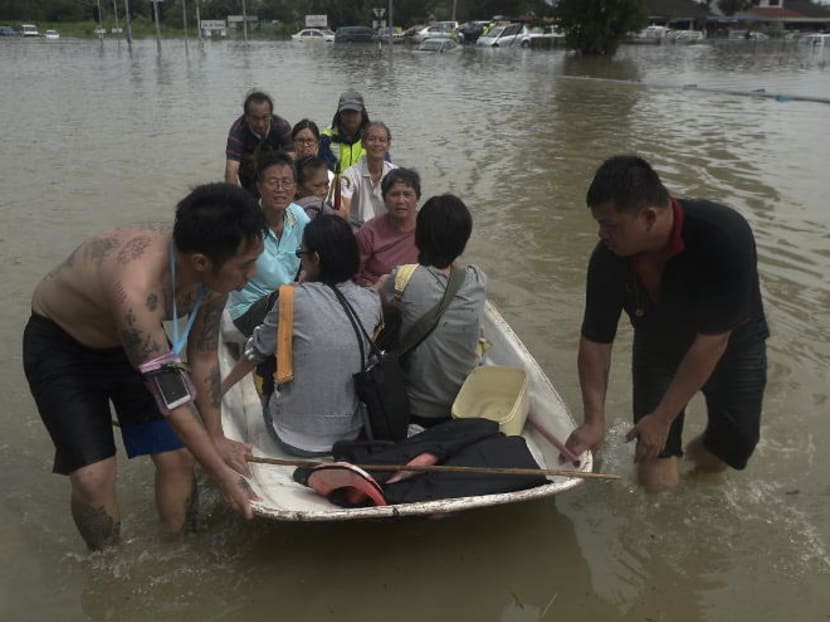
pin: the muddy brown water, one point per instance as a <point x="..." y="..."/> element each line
<point x="94" y="136"/>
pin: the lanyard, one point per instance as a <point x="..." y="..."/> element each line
<point x="179" y="342"/>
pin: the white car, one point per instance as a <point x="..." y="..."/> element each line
<point x="438" y="44"/>
<point x="29" y="30"/>
<point x="314" y="34"/>
<point x="51" y="34"/>
<point x="505" y="36"/>
<point x="433" y="31"/>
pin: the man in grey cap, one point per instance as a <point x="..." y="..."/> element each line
<point x="341" y="142"/>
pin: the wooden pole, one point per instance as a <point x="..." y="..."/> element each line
<point x="442" y="468"/>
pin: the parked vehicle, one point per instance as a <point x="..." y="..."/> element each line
<point x="7" y="31"/>
<point x="685" y="36"/>
<point x="651" y="34"/>
<point x="431" y="32"/>
<point x="438" y="44"/>
<point x="29" y="30"/>
<point x="353" y="34"/>
<point x="313" y="34"/>
<point x="815" y="39"/>
<point x="504" y="36"/>
<point x="51" y="34"/>
<point x="388" y="35"/>
<point x="468" y="32"/>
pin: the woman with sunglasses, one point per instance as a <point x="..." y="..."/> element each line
<point x="319" y="405"/>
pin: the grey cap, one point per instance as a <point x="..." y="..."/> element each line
<point x="351" y="100"/>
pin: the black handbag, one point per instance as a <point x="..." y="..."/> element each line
<point x="379" y="385"/>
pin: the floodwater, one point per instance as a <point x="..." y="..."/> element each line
<point x="94" y="136"/>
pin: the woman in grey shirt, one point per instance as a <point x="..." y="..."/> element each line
<point x="436" y="369"/>
<point x="319" y="406"/>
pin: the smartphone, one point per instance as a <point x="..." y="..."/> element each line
<point x="172" y="388"/>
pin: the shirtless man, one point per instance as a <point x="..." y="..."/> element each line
<point x="98" y="316"/>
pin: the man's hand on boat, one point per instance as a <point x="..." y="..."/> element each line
<point x="236" y="491"/>
<point x="586" y="437"/>
<point x="234" y="454"/>
<point x="651" y="433"/>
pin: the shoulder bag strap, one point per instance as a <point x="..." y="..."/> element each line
<point x="429" y="321"/>
<point x="350" y="312"/>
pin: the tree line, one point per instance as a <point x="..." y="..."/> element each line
<point x="354" y="12"/>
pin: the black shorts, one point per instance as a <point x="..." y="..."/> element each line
<point x="734" y="395"/>
<point x="73" y="386"/>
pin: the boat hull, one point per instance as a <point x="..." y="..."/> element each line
<point x="284" y="499"/>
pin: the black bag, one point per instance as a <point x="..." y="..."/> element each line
<point x="380" y="385"/>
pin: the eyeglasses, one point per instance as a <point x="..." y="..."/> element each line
<point x="305" y="141"/>
<point x="301" y="251"/>
<point x="273" y="183"/>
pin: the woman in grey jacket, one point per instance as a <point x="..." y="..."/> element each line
<point x="318" y="406"/>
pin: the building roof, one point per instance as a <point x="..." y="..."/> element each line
<point x="791" y="10"/>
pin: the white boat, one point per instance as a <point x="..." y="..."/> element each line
<point x="283" y="499"/>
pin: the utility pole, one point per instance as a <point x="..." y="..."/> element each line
<point x="198" y="22"/>
<point x="244" y="21"/>
<point x="454" y="6"/>
<point x="100" y="22"/>
<point x="129" y="24"/>
<point x="391" y="11"/>
<point x="184" y="23"/>
<point x="158" y="28"/>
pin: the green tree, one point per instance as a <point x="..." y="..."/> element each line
<point x="598" y="26"/>
<point x="730" y="7"/>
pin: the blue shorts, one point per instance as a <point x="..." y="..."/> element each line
<point x="73" y="386"/>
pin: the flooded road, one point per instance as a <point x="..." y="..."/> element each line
<point x="95" y="137"/>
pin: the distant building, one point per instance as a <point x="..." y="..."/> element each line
<point x="792" y="14"/>
<point x="676" y="14"/>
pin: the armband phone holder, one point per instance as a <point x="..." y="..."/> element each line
<point x="167" y="378"/>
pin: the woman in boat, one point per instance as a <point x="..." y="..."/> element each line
<point x="318" y="406"/>
<point x="361" y="183"/>
<point x="278" y="263"/>
<point x="312" y="186"/>
<point x="306" y="137"/>
<point x="437" y="367"/>
<point x="389" y="240"/>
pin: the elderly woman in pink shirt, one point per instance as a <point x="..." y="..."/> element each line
<point x="388" y="240"/>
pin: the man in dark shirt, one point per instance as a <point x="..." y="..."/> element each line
<point x="257" y="130"/>
<point x="686" y="274"/>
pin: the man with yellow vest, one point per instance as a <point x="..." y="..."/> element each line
<point x="341" y="142"/>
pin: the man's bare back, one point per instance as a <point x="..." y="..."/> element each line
<point x="81" y="294"/>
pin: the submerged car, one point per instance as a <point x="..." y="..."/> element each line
<point x="29" y="30"/>
<point x="7" y="31"/>
<point x="51" y="34"/>
<point x="504" y="36"/>
<point x="430" y="32"/>
<point x="438" y="44"/>
<point x="354" y="34"/>
<point x="313" y="34"/>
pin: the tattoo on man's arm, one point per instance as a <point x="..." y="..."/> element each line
<point x="208" y="337"/>
<point x="214" y="382"/>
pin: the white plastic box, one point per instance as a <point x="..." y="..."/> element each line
<point x="495" y="392"/>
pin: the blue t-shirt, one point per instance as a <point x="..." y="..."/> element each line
<point x="277" y="265"/>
